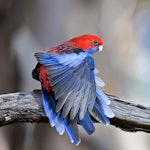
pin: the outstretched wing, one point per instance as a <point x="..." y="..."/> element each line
<point x="72" y="79"/>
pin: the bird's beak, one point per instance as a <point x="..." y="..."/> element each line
<point x="100" y="47"/>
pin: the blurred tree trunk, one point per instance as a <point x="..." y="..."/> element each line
<point x="10" y="19"/>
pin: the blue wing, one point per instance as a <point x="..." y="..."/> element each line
<point x="76" y="96"/>
<point x="56" y="119"/>
<point x="72" y="79"/>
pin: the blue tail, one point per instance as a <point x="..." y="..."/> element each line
<point x="86" y="123"/>
<point x="100" y="112"/>
<point x="55" y="119"/>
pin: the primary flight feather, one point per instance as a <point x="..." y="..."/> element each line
<point x="70" y="88"/>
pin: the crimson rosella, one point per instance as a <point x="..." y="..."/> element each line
<point x="70" y="88"/>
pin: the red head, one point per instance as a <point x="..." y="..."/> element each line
<point x="87" y="40"/>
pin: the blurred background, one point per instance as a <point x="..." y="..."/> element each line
<point x="124" y="64"/>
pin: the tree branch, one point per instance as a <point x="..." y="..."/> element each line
<point x="27" y="107"/>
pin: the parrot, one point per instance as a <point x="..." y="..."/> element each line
<point x="71" y="90"/>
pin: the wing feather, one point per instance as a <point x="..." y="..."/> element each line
<point x="72" y="79"/>
<point x="59" y="93"/>
<point x="99" y="115"/>
<point x="84" y="102"/>
<point x="75" y="106"/>
<point x="68" y="104"/>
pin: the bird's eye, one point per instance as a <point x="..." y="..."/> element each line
<point x="95" y="42"/>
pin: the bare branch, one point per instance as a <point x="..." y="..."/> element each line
<point x="27" y="107"/>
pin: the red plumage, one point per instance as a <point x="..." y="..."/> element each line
<point x="81" y="42"/>
<point x="70" y="89"/>
<point x="85" y="41"/>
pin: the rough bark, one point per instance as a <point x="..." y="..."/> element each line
<point x="27" y="107"/>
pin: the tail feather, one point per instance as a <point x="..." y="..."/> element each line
<point x="98" y="114"/>
<point x="59" y="125"/>
<point x="86" y="123"/>
<point x="72" y="131"/>
<point x="56" y="119"/>
<point x="48" y="108"/>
